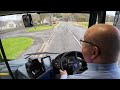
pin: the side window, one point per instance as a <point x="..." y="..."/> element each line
<point x="110" y="17"/>
<point x="117" y="19"/>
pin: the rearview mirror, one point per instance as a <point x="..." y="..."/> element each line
<point x="27" y="20"/>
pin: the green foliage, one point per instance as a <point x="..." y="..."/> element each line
<point x="40" y="27"/>
<point x="57" y="15"/>
<point x="81" y="17"/>
<point x="82" y="24"/>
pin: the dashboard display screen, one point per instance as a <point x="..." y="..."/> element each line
<point x="46" y="62"/>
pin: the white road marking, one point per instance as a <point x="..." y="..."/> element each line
<point x="74" y="36"/>
<point x="42" y="49"/>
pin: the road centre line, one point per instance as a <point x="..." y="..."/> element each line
<point x="42" y="49"/>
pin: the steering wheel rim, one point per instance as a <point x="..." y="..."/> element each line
<point x="75" y="54"/>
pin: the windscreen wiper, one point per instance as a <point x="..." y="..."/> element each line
<point x="38" y="53"/>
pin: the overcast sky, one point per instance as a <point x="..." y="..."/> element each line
<point x="11" y="17"/>
<point x="18" y="16"/>
<point x="110" y="13"/>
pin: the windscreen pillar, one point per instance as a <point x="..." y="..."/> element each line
<point x="0" y="54"/>
<point x="101" y="16"/>
<point x="5" y="59"/>
<point x="0" y="57"/>
<point x="92" y="18"/>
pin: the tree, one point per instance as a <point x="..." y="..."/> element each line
<point x="109" y="18"/>
<point x="57" y="15"/>
<point x="42" y="16"/>
<point x="35" y="18"/>
<point x="81" y="17"/>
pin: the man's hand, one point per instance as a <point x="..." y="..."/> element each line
<point x="63" y="72"/>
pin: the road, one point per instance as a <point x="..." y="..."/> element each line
<point x="65" y="38"/>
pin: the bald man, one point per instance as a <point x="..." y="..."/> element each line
<point x="100" y="48"/>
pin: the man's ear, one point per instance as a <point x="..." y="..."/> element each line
<point x="95" y="52"/>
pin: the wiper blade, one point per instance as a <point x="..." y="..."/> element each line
<point x="41" y="53"/>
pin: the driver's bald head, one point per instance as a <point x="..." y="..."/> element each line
<point x="107" y="38"/>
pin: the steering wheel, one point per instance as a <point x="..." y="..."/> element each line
<point x="73" y="62"/>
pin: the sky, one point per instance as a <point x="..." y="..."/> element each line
<point x="10" y="17"/>
<point x="110" y="13"/>
<point x="18" y="16"/>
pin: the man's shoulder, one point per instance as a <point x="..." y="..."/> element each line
<point x="84" y="75"/>
<point x="115" y="74"/>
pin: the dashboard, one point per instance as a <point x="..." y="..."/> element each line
<point x="47" y="68"/>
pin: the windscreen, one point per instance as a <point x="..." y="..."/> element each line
<point x="45" y="32"/>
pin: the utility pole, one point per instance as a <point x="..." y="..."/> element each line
<point x="51" y="19"/>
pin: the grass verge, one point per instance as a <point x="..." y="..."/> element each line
<point x="81" y="24"/>
<point x="13" y="47"/>
<point x="41" y="27"/>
